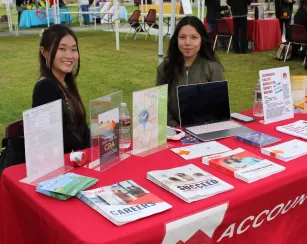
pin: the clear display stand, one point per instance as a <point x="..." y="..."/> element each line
<point x="104" y="119"/>
<point x="149" y="121"/>
<point x="62" y="170"/>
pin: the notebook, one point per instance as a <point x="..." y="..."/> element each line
<point x="205" y="111"/>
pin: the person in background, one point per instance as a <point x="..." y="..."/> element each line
<point x="300" y="17"/>
<point x="59" y="67"/>
<point x="282" y="6"/>
<point x="214" y="9"/>
<point x="239" y="10"/>
<point x="84" y="4"/>
<point x="190" y="60"/>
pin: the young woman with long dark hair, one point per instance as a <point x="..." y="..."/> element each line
<point x="190" y="60"/>
<point x="59" y="67"/>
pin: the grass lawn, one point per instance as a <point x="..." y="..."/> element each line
<point x="105" y="70"/>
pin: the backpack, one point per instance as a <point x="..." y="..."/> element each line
<point x="281" y="52"/>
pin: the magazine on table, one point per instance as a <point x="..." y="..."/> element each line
<point x="190" y="183"/>
<point x="287" y="151"/>
<point x="243" y="165"/>
<point x="65" y="186"/>
<point x="123" y="202"/>
<point x="257" y="139"/>
<point x="298" y="128"/>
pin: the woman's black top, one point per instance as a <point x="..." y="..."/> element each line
<point x="46" y="91"/>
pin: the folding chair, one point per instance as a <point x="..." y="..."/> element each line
<point x="150" y="20"/>
<point x="298" y="36"/>
<point x="222" y="29"/>
<point x="14" y="129"/>
<point x="135" y="23"/>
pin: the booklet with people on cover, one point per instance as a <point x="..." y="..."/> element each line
<point x="298" y="128"/>
<point x="65" y="186"/>
<point x="189" y="182"/>
<point x="243" y="165"/>
<point x="257" y="139"/>
<point x="123" y="202"/>
<point x="287" y="151"/>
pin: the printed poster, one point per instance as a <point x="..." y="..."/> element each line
<point x="43" y="133"/>
<point x="276" y="94"/>
<point x="108" y="131"/>
<point x="149" y="118"/>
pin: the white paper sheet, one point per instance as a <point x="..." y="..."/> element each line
<point x="43" y="132"/>
<point x="276" y="94"/>
<point x="200" y="150"/>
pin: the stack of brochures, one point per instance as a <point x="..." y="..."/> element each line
<point x="123" y="202"/>
<point x="257" y="139"/>
<point x="189" y="182"/>
<point x="298" y="128"/>
<point x="287" y="151"/>
<point x="65" y="186"/>
<point x="243" y="165"/>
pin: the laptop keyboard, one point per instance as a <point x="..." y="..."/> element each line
<point x="200" y="129"/>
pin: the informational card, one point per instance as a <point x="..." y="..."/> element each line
<point x="276" y="94"/>
<point x="149" y="118"/>
<point x="200" y="150"/>
<point x="299" y="93"/>
<point x="108" y="131"/>
<point x="43" y="133"/>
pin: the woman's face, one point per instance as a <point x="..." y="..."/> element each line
<point x="189" y="41"/>
<point x="66" y="56"/>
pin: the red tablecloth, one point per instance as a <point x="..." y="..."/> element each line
<point x="265" y="33"/>
<point x="269" y="211"/>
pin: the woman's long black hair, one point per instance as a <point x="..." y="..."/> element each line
<point x="51" y="38"/>
<point x="174" y="61"/>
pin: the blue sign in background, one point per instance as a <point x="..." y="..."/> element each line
<point x="30" y="18"/>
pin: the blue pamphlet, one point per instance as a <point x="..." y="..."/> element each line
<point x="65" y="186"/>
<point x="257" y="139"/>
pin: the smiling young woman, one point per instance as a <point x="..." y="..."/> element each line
<point x="59" y="67"/>
<point x="190" y="60"/>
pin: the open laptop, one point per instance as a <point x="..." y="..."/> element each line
<point x="205" y="111"/>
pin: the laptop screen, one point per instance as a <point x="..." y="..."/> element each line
<point x="203" y="103"/>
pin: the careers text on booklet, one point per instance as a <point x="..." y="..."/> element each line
<point x="243" y="165"/>
<point x="123" y="202"/>
<point x="189" y="182"/>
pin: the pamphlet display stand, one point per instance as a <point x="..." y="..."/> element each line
<point x="104" y="120"/>
<point x="43" y="133"/>
<point x="149" y="121"/>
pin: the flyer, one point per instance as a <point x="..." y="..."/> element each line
<point x="276" y="94"/>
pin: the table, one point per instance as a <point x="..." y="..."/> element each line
<point x="268" y="211"/>
<point x="32" y="18"/>
<point x="264" y="32"/>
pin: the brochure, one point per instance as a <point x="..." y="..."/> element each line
<point x="298" y="128"/>
<point x="199" y="150"/>
<point x="65" y="186"/>
<point x="189" y="182"/>
<point x="276" y="94"/>
<point x="243" y="165"/>
<point x="123" y="202"/>
<point x="108" y="124"/>
<point x="287" y="151"/>
<point x="257" y="139"/>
